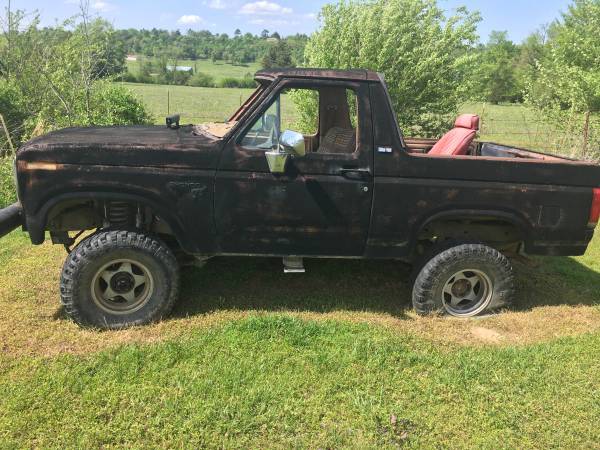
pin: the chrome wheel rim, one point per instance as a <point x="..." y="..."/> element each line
<point x="122" y="286"/>
<point x="467" y="293"/>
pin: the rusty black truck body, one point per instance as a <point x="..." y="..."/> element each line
<point x="213" y="193"/>
<point x="219" y="198"/>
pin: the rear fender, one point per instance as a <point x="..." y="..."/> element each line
<point x="522" y="225"/>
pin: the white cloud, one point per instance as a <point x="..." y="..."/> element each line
<point x="265" y="8"/>
<point x="216" y="4"/>
<point x="272" y="22"/>
<point x="102" y="6"/>
<point x="190" y="19"/>
<point x="98" y="5"/>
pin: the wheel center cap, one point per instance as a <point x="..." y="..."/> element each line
<point x="122" y="282"/>
<point x="461" y="287"/>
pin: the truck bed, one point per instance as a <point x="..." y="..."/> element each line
<point x="486" y="149"/>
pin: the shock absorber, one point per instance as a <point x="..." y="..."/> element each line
<point x="119" y="213"/>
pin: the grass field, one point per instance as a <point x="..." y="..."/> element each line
<point x="195" y="104"/>
<point x="218" y="70"/>
<point x="516" y="125"/>
<point x="334" y="358"/>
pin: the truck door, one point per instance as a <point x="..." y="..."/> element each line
<point x="321" y="204"/>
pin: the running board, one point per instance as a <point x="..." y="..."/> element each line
<point x="292" y="264"/>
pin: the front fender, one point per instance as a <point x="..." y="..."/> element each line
<point x="36" y="222"/>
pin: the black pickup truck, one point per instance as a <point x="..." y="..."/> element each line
<point x="345" y="184"/>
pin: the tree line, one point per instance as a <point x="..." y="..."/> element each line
<point x="159" y="50"/>
<point x="161" y="69"/>
<point x="238" y="49"/>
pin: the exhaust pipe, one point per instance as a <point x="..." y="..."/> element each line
<point x="11" y="218"/>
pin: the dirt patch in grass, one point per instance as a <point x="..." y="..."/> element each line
<point x="557" y="297"/>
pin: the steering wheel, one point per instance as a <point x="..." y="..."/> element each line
<point x="270" y="126"/>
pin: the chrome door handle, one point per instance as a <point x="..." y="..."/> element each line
<point x="356" y="174"/>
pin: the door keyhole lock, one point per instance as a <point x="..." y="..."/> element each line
<point x="365" y="189"/>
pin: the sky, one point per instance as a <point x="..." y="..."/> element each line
<point x="518" y="17"/>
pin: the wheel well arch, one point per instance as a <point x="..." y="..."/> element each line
<point x="493" y="227"/>
<point x="37" y="223"/>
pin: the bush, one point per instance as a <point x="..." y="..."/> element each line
<point x="201" y="79"/>
<point x="230" y="82"/>
<point x="179" y="77"/>
<point x="116" y="105"/>
<point x="109" y="104"/>
<point x="248" y="82"/>
<point x="7" y="184"/>
<point x="14" y="112"/>
<point x="145" y="78"/>
<point x="128" y="77"/>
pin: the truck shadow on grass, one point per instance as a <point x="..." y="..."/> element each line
<point x="362" y="286"/>
<point x="555" y="281"/>
<point x="328" y="285"/>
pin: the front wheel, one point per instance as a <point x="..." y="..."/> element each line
<point x="464" y="281"/>
<point x="118" y="279"/>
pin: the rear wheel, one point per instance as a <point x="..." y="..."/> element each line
<point x="118" y="279"/>
<point x="464" y="280"/>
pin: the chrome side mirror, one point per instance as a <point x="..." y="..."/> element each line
<point x="292" y="143"/>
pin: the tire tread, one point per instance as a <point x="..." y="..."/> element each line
<point x="104" y="242"/>
<point x="429" y="277"/>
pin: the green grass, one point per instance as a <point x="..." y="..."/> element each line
<point x="218" y="70"/>
<point x="514" y="124"/>
<point x="275" y="381"/>
<point x="195" y="104"/>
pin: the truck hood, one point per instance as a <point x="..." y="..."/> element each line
<point x="124" y="145"/>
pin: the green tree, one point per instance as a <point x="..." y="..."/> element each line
<point x="279" y="55"/>
<point x="496" y="75"/>
<point x="566" y="84"/>
<point x="423" y="54"/>
<point x="571" y="67"/>
<point x="531" y="51"/>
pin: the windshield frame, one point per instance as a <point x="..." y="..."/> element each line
<point x="248" y="103"/>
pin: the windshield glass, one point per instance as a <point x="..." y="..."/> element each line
<point x="220" y="129"/>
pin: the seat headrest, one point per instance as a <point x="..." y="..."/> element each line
<point x="468" y="121"/>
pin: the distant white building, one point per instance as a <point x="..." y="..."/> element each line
<point x="131" y="58"/>
<point x="180" y="68"/>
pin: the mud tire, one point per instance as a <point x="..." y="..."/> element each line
<point x="428" y="290"/>
<point x="96" y="251"/>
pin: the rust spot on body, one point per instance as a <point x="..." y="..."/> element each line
<point x="41" y="166"/>
<point x="452" y="194"/>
